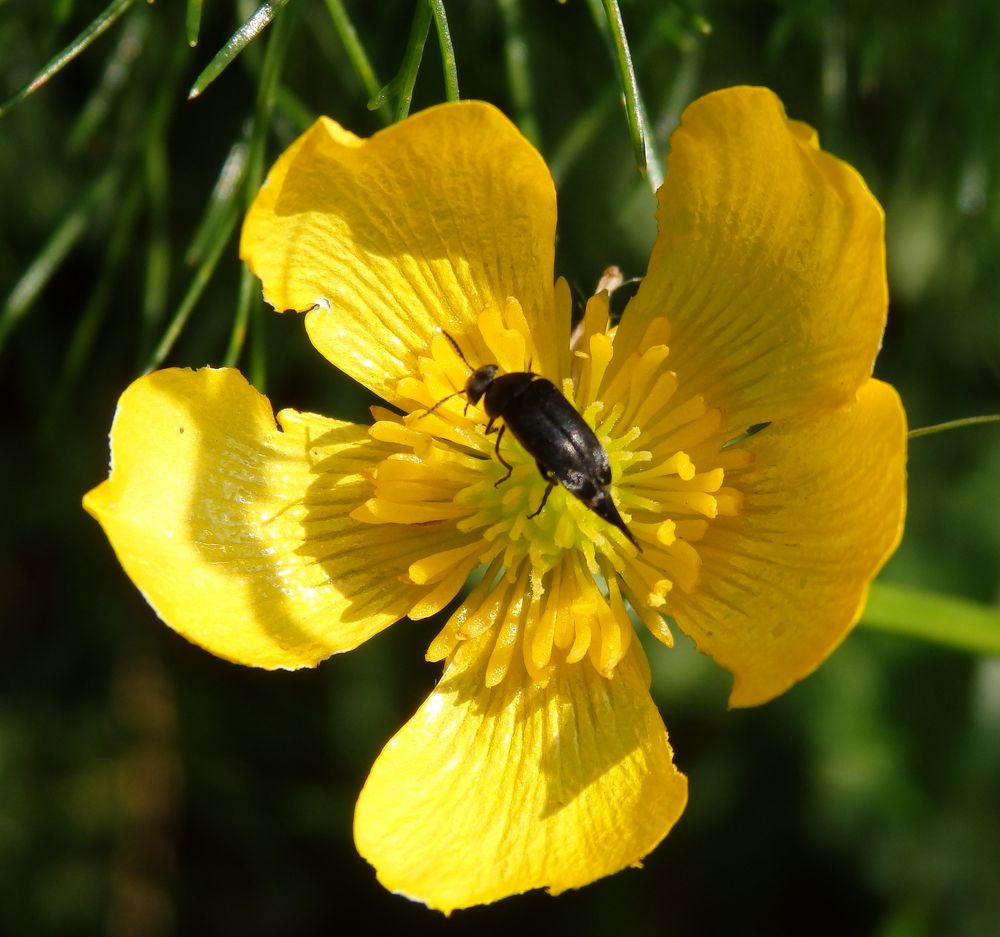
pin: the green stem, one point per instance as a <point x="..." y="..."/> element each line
<point x="249" y="291"/>
<point x="267" y="96"/>
<point x="448" y="63"/>
<point x="157" y="174"/>
<point x="407" y="76"/>
<point x="227" y="187"/>
<point x="195" y="288"/>
<point x="518" y="70"/>
<point x="639" y="130"/>
<point x="258" y="344"/>
<point x="590" y="123"/>
<point x="953" y="424"/>
<point x="929" y="616"/>
<point x="356" y="53"/>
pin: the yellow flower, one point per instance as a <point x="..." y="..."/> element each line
<point x="539" y="760"/>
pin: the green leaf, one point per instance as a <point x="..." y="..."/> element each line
<point x="931" y="616"/>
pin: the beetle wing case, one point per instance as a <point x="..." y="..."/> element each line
<point x="551" y="429"/>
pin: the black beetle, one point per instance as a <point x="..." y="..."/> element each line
<point x="548" y="426"/>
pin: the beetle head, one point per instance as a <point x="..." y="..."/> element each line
<point x="480" y="380"/>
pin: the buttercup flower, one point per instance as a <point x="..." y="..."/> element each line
<point x="539" y="760"/>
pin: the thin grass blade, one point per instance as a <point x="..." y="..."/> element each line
<point x="192" y="22"/>
<point x="267" y="98"/>
<point x="88" y="326"/>
<point x="356" y="53"/>
<point x="114" y="79"/>
<point x="102" y="22"/>
<point x="196" y="287"/>
<point x="239" y="40"/>
<point x="27" y="289"/>
<point x="227" y="186"/>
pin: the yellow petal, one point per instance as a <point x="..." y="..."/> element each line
<point x="486" y="793"/>
<point x="784" y="581"/>
<point x="422" y="227"/>
<point x="769" y="264"/>
<point x="238" y="534"/>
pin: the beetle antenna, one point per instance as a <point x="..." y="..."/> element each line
<point x="458" y="393"/>
<point x="458" y="351"/>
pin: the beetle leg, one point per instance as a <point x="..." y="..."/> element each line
<point x="503" y="461"/>
<point x="548" y="490"/>
<point x="544" y="472"/>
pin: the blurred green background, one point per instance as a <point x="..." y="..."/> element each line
<point x="148" y="789"/>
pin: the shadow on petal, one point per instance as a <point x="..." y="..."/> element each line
<point x="488" y="792"/>
<point x="238" y="532"/>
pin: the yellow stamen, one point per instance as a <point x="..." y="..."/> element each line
<point x="556" y="586"/>
<point x="434" y="568"/>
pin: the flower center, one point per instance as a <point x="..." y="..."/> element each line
<point x="553" y="584"/>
